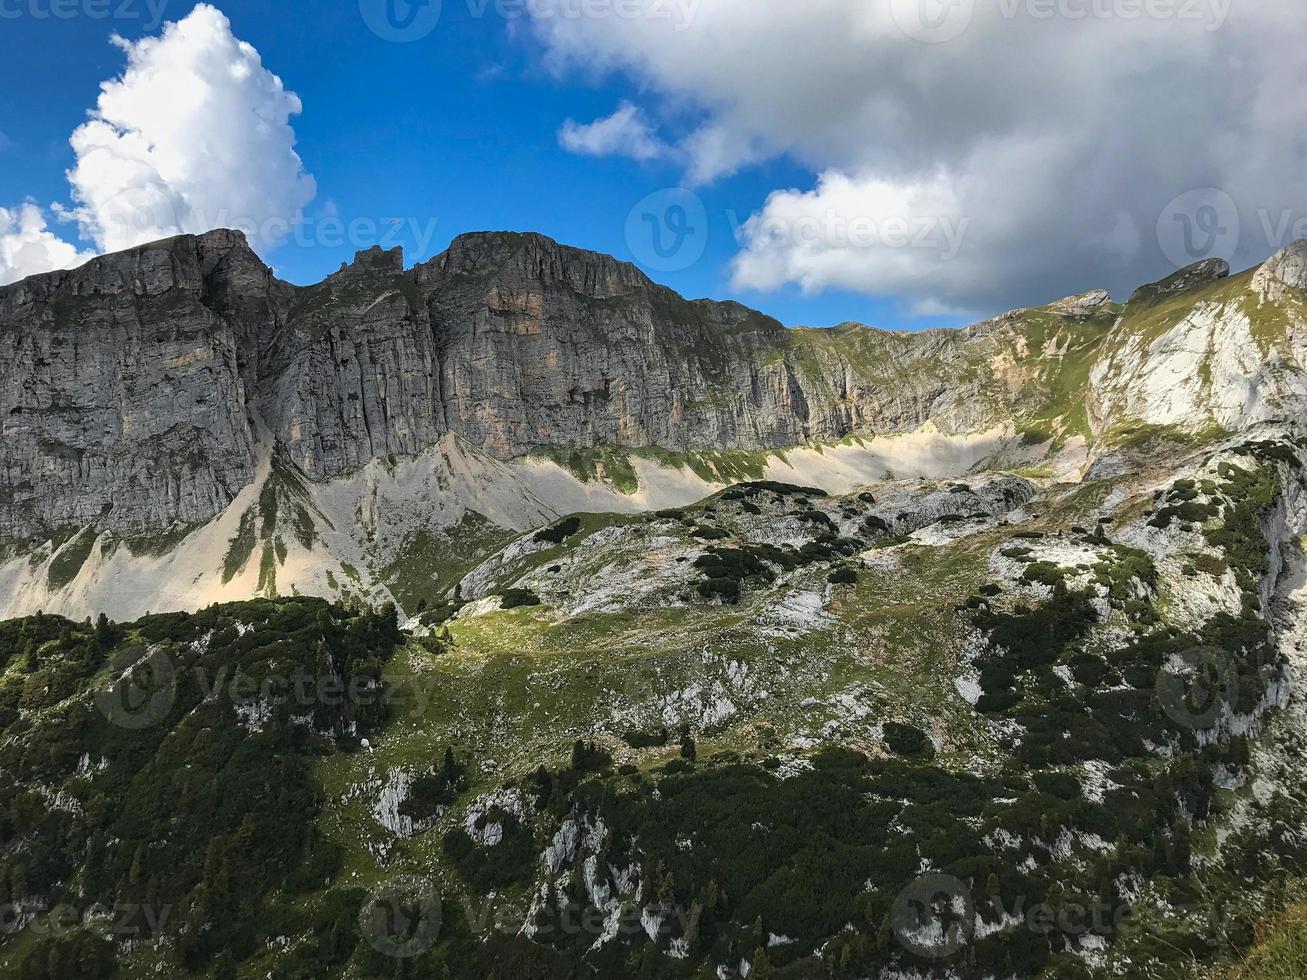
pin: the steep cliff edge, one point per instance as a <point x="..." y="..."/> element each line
<point x="134" y="389"/>
<point x="122" y="401"/>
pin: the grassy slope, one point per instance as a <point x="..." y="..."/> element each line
<point x="1280" y="952"/>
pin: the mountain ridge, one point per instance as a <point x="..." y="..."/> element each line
<point x="142" y="394"/>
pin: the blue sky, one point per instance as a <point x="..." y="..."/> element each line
<point x="459" y="128"/>
<point x="847" y="161"/>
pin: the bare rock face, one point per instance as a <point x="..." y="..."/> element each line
<point x="121" y="397"/>
<point x="544" y="346"/>
<point x="1283" y="272"/>
<point x="1083" y="302"/>
<point x="139" y="390"/>
<point x="349" y="374"/>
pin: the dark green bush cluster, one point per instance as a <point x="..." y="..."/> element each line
<point x="1119" y="573"/>
<point x="821" y="854"/>
<point x="906" y="740"/>
<point x="79" y="954"/>
<point x="818" y="518"/>
<point x="641" y="739"/>
<point x="705" y="533"/>
<point x="726" y="569"/>
<point x="1045" y="573"/>
<point x="1240" y="535"/>
<point x="518" y="598"/>
<point x="559" y="532"/>
<point x="196" y="804"/>
<point x="876" y="525"/>
<point x="843" y="576"/>
<point x="512" y="861"/>
<point x="1272" y="451"/>
<point x="742" y="491"/>
<point x="588" y="757"/>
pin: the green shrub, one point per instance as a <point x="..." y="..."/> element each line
<point x="906" y="740"/>
<point x="560" y="532"/>
<point x="843" y="576"/>
<point x="518" y="598"/>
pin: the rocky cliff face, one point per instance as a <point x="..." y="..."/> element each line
<point x="133" y="391"/>
<point x="122" y="400"/>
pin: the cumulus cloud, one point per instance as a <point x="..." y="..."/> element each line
<point x="195" y="134"/>
<point x="1053" y="134"/>
<point x="625" y="133"/>
<point x="28" y="247"/>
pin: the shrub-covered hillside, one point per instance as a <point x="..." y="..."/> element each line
<point x="973" y="729"/>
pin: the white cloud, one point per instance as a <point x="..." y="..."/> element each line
<point x="625" y="133"/>
<point x="27" y="247"/>
<point x="194" y="135"/>
<point x="1055" y="132"/>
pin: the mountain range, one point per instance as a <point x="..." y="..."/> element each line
<point x="511" y="616"/>
<point x="155" y="402"/>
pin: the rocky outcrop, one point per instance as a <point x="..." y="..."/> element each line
<point x="1201" y="350"/>
<point x="122" y="401"/>
<point x="134" y="389"/>
<point x="1083" y="302"/>
<point x="1190" y="277"/>
<point x="1284" y="274"/>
